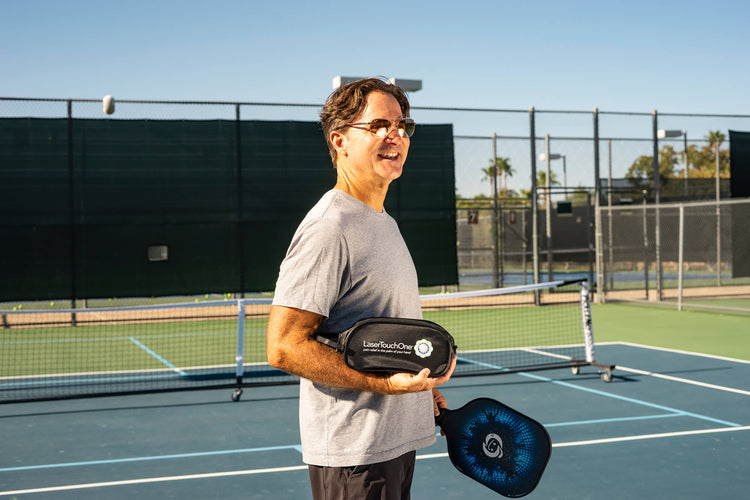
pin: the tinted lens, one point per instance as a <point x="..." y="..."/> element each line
<point x="408" y="126"/>
<point x="380" y="127"/>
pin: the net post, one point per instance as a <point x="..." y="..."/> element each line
<point x="240" y="340"/>
<point x="588" y="332"/>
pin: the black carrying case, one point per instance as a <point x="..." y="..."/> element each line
<point x="394" y="345"/>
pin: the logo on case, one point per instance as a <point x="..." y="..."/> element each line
<point x="423" y="348"/>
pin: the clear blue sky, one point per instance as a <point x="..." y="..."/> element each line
<point x="674" y="56"/>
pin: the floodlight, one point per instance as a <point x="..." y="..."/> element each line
<point x="406" y="85"/>
<point x="338" y="81"/>
<point x="663" y="134"/>
<point x="552" y="156"/>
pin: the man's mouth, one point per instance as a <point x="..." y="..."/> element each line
<point x="389" y="156"/>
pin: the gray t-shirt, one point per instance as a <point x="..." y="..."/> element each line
<point x="347" y="262"/>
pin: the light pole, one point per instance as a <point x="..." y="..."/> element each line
<point x="558" y="156"/>
<point x="547" y="157"/>
<point x="663" y="134"/>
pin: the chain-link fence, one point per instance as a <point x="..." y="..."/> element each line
<point x="682" y="253"/>
<point x="587" y="158"/>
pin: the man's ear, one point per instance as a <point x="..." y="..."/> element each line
<point x="339" y="142"/>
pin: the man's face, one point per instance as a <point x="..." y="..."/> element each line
<point x="369" y="159"/>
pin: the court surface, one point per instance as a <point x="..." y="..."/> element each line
<point x="669" y="425"/>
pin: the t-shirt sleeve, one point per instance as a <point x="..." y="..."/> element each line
<point x="314" y="273"/>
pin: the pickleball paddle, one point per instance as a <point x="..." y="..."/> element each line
<point x="496" y="446"/>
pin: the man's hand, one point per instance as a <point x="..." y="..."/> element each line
<point x="402" y="383"/>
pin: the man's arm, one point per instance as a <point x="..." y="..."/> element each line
<point x="291" y="346"/>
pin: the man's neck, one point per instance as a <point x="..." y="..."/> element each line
<point x="373" y="197"/>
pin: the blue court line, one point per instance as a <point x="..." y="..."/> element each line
<point x="609" y="395"/>
<point x="162" y="360"/>
<point x="297" y="447"/>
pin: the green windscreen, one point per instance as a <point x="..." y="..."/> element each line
<point x="739" y="153"/>
<point x="123" y="208"/>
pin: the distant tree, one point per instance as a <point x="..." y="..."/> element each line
<point x="641" y="172"/>
<point x="490" y="175"/>
<point x="541" y="179"/>
<point x="703" y="160"/>
<point x="541" y="182"/>
<point x="716" y="137"/>
<point x="580" y="194"/>
<point x="504" y="169"/>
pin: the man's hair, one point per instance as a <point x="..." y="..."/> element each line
<point x="348" y="102"/>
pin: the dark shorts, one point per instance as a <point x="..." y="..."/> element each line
<point x="389" y="480"/>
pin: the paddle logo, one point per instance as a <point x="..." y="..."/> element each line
<point x="492" y="445"/>
<point x="423" y="348"/>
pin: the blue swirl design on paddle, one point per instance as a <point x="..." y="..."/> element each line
<point x="498" y="447"/>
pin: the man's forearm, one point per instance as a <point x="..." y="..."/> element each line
<point x="292" y="348"/>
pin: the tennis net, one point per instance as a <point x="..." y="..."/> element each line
<point x="73" y="353"/>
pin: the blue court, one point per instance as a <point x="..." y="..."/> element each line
<point x="670" y="424"/>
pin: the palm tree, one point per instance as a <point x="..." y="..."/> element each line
<point x="715" y="137"/>
<point x="502" y="167"/>
<point x="541" y="181"/>
<point x="489" y="174"/>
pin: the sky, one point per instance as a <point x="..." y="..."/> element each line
<point x="636" y="56"/>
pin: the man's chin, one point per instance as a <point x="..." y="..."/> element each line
<point x="391" y="170"/>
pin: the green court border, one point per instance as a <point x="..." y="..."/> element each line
<point x="705" y="332"/>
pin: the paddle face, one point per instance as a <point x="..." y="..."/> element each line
<point x="496" y="446"/>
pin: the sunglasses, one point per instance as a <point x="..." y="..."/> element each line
<point x="382" y="127"/>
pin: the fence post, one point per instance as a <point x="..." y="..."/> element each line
<point x="610" y="251"/>
<point x="718" y="218"/>
<point x="72" y="215"/>
<point x="596" y="245"/>
<point x="534" y="208"/>
<point x="548" y="209"/>
<point x="600" y="282"/>
<point x="681" y="253"/>
<point x="657" y="196"/>
<point x="495" y="236"/>
<point x="238" y="177"/>
<point x="645" y="244"/>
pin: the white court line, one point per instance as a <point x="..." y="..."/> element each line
<point x="154" y="480"/>
<point x="678" y="351"/>
<point x="659" y="375"/>
<point x="651" y="436"/>
<point x="677" y="379"/>
<point x="684" y="380"/>
<point x="304" y="467"/>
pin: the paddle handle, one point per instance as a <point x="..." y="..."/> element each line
<point x="440" y="417"/>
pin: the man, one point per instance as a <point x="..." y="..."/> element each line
<point x="347" y="261"/>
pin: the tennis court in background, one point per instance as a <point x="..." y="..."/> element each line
<point x="671" y="424"/>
